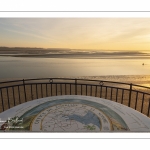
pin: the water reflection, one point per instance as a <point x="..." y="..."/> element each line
<point x="15" y="67"/>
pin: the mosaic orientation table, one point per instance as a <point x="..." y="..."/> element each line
<point x="73" y="113"/>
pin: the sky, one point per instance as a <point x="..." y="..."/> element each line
<point x="76" y="33"/>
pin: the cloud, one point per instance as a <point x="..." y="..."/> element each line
<point x="77" y="32"/>
<point x="134" y="33"/>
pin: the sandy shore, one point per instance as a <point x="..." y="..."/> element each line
<point x="47" y="90"/>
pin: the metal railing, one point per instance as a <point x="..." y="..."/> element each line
<point x="15" y="92"/>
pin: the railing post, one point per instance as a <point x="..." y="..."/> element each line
<point x="24" y="90"/>
<point x="2" y="99"/>
<point x="130" y="95"/>
<point x="101" y="84"/>
<point x="148" y="108"/>
<point x="50" y="81"/>
<point x="75" y="86"/>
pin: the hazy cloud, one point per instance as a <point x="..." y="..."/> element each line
<point x="88" y="33"/>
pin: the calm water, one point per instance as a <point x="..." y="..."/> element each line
<point x="15" y="67"/>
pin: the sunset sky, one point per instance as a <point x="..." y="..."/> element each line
<point x="76" y="33"/>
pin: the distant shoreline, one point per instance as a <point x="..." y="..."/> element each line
<point x="73" y="53"/>
<point x="73" y="56"/>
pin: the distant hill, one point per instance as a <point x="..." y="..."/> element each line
<point x="71" y="53"/>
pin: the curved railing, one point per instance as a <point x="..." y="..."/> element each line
<point x="15" y="92"/>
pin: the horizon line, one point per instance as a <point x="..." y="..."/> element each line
<point x="72" y="48"/>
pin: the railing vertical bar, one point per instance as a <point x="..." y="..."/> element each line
<point x="36" y="91"/>
<point x="122" y="96"/>
<point x="70" y="88"/>
<point x="46" y="90"/>
<point x="41" y="90"/>
<point x="56" y="89"/>
<point x="51" y="89"/>
<point x="136" y="100"/>
<point x="75" y="86"/>
<point x="106" y="93"/>
<point x="8" y="98"/>
<point x="116" y="94"/>
<point x="130" y="95"/>
<point x="19" y="94"/>
<point x="86" y="90"/>
<point x="2" y="99"/>
<point x="13" y="96"/>
<point x="96" y="91"/>
<point x="142" y="103"/>
<point x="31" y="92"/>
<point x="24" y="90"/>
<point x="65" y="89"/>
<point x="61" y="88"/>
<point x="111" y="93"/>
<point x="101" y="91"/>
<point x="148" y="108"/>
<point x="91" y="91"/>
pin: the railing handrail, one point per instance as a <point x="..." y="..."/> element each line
<point x="106" y="81"/>
<point x="63" y="79"/>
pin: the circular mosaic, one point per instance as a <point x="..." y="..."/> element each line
<point x="71" y="117"/>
